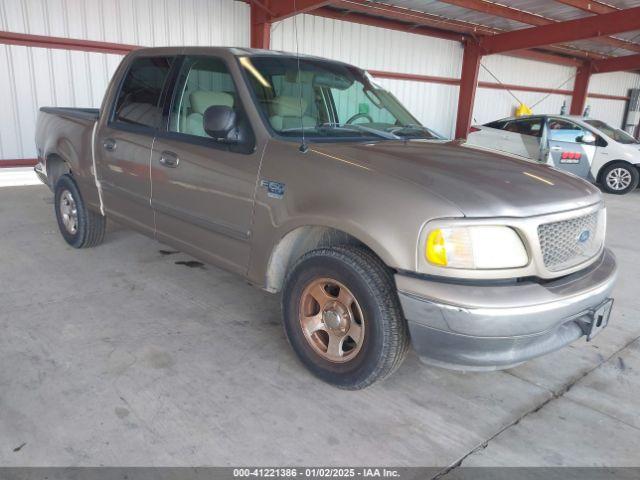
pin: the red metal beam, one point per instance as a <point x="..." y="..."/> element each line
<point x="414" y="77"/>
<point x="528" y="18"/>
<point x="503" y="11"/>
<point x="282" y="9"/>
<point x="545" y="57"/>
<point x="18" y="162"/>
<point x="468" y="85"/>
<point x="494" y="85"/>
<point x="580" y="89"/>
<point x="60" y="43"/>
<point x="589" y="6"/>
<point x="560" y="32"/>
<point x="617" y="64"/>
<point x="260" y="26"/>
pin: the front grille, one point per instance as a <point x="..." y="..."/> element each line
<point x="566" y="244"/>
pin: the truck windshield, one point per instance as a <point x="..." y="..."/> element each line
<point x="327" y="100"/>
<point x="615" y="133"/>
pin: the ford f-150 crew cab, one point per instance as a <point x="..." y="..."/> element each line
<point x="305" y="177"/>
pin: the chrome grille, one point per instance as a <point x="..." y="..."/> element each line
<point x="565" y="244"/>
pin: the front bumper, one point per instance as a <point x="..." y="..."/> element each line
<point x="496" y="326"/>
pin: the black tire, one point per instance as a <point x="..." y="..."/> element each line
<point x="627" y="170"/>
<point x="385" y="340"/>
<point x="90" y="226"/>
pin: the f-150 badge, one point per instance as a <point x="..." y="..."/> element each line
<point x="274" y="189"/>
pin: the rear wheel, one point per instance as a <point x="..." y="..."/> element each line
<point x="619" y="178"/>
<point x="343" y="318"/>
<point x="79" y="226"/>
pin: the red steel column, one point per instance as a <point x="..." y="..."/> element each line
<point x="260" y="27"/>
<point x="468" y="85"/>
<point x="580" y="88"/>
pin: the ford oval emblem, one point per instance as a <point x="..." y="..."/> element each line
<point x="584" y="236"/>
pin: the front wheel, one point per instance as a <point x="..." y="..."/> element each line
<point x="79" y="226"/>
<point x="343" y="318"/>
<point x="619" y="178"/>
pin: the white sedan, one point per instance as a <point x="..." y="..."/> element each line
<point x="583" y="146"/>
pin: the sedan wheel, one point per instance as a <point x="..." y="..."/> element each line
<point x="618" y="179"/>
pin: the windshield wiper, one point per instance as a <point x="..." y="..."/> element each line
<point x="412" y="127"/>
<point x="359" y="128"/>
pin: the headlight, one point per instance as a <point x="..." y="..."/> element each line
<point x="475" y="247"/>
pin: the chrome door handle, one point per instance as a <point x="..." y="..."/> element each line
<point x="169" y="159"/>
<point x="110" y="144"/>
<point x="556" y="149"/>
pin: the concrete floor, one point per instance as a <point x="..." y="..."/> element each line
<point x="119" y="355"/>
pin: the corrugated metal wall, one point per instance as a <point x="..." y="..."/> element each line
<point x="435" y="104"/>
<point x="35" y="77"/>
<point x="492" y="104"/>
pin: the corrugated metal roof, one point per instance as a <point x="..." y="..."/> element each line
<point x="552" y="10"/>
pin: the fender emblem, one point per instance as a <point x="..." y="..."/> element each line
<point x="274" y="189"/>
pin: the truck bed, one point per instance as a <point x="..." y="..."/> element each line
<point x="85" y="113"/>
<point x="64" y="138"/>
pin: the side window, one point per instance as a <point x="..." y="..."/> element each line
<point x="564" y="131"/>
<point x="203" y="82"/>
<point x="138" y="102"/>
<point x="527" y="126"/>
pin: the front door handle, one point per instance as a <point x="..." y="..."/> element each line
<point x="110" y="144"/>
<point x="169" y="159"/>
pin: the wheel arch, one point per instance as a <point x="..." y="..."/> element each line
<point x="305" y="238"/>
<point x="56" y="166"/>
<point x="611" y="162"/>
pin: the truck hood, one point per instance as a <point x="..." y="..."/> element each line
<point x="479" y="182"/>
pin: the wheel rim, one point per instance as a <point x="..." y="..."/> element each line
<point x="69" y="212"/>
<point x="331" y="320"/>
<point x="619" y="178"/>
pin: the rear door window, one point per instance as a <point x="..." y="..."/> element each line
<point x="138" y="101"/>
<point x="526" y="126"/>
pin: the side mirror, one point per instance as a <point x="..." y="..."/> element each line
<point x="588" y="138"/>
<point x="219" y="122"/>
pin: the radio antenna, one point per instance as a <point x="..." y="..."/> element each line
<point x="303" y="146"/>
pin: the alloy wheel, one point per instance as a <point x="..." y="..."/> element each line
<point x="69" y="212"/>
<point x="331" y="320"/>
<point x="618" y="179"/>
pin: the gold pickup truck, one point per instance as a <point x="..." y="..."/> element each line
<point x="307" y="178"/>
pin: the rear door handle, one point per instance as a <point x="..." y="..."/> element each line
<point x="169" y="159"/>
<point x="110" y="144"/>
<point x="556" y="149"/>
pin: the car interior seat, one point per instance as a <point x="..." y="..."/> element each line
<point x="201" y="100"/>
<point x="289" y="112"/>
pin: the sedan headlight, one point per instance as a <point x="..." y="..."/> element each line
<point x="475" y="247"/>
